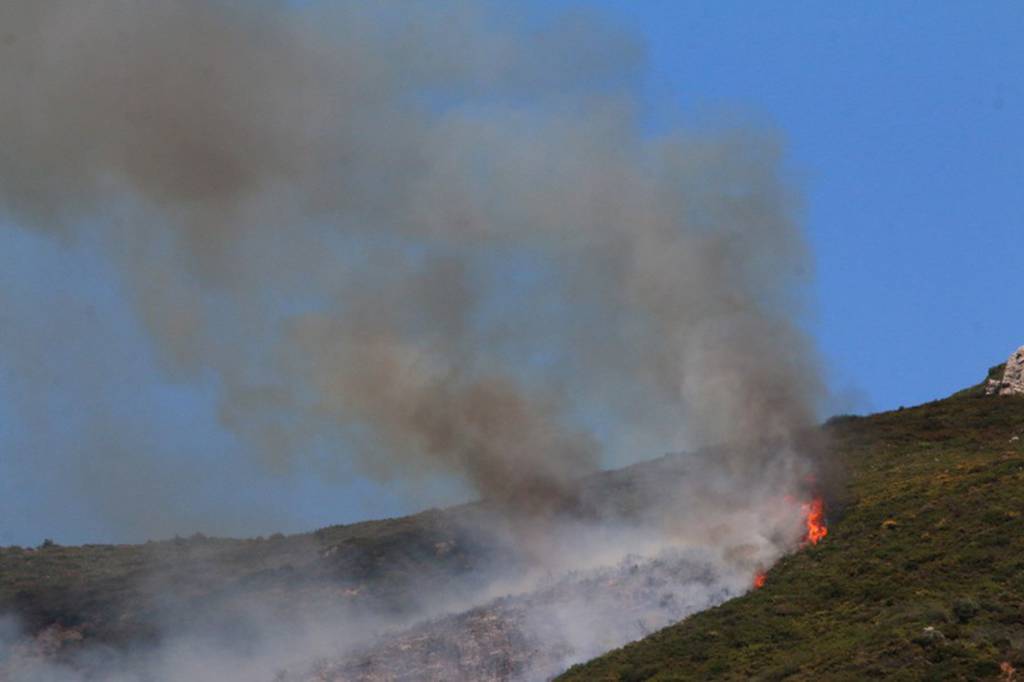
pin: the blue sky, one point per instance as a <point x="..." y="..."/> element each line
<point x="903" y="124"/>
<point x="905" y="128"/>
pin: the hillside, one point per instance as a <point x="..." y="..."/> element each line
<point x="399" y="570"/>
<point x="126" y="594"/>
<point x="920" y="577"/>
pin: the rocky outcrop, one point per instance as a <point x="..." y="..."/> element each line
<point x="1012" y="382"/>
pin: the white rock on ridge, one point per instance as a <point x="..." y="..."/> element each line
<point x="1012" y="382"/>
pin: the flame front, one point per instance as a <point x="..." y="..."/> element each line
<point x="814" y="518"/>
<point x="759" y="579"/>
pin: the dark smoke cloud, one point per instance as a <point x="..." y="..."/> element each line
<point x="428" y="235"/>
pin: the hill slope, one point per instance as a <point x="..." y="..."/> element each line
<point x="922" y="576"/>
<point x="399" y="570"/>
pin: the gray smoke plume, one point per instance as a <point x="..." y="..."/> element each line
<point x="432" y="236"/>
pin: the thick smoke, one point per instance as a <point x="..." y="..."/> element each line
<point x="432" y="236"/>
<point x="414" y="239"/>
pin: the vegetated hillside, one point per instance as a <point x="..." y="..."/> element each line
<point x="921" y="577"/>
<point x="121" y="595"/>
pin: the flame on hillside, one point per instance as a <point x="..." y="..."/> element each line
<point x="814" y="519"/>
<point x="815" y="530"/>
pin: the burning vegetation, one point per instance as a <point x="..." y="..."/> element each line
<point x="813" y="513"/>
<point x="936" y="595"/>
<point x="814" y="518"/>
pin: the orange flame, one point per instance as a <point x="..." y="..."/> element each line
<point x="814" y="518"/>
<point x="759" y="579"/>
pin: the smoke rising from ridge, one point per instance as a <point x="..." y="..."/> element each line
<point x="434" y="238"/>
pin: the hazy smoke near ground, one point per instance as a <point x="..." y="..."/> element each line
<point x="608" y="583"/>
<point x="423" y="238"/>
